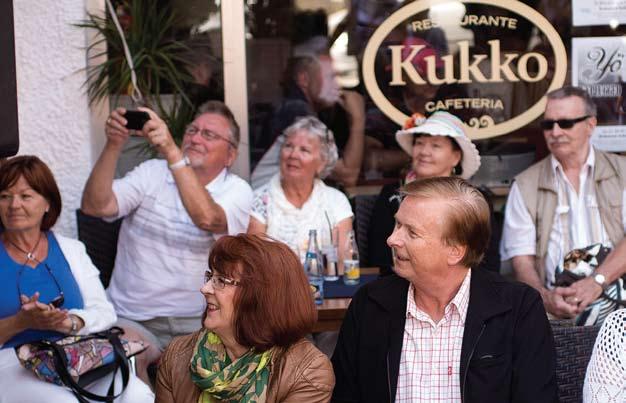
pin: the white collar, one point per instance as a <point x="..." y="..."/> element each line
<point x="589" y="162"/>
<point x="277" y="192"/>
<point x="460" y="301"/>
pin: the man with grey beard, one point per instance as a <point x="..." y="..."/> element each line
<point x="572" y="199"/>
<point x="174" y="210"/>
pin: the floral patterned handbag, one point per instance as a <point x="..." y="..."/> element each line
<point x="77" y="361"/>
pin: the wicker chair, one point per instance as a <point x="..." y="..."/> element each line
<point x="574" y="345"/>
<point x="100" y="239"/>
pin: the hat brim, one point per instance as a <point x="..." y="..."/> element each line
<point x="470" y="161"/>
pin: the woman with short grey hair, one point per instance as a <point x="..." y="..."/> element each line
<point x="296" y="200"/>
<point x="315" y="128"/>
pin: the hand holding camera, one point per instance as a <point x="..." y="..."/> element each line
<point x="157" y="133"/>
<point x="117" y="127"/>
<point x="142" y="122"/>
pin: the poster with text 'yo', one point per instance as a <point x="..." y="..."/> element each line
<point x="598" y="67"/>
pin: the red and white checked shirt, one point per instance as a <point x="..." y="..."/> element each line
<point x="431" y="352"/>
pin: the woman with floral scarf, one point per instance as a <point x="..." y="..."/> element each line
<point x="252" y="346"/>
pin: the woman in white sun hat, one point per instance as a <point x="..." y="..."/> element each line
<point x="438" y="146"/>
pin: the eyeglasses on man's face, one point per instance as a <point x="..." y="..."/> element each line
<point x="563" y="123"/>
<point x="208" y="135"/>
<point x="219" y="282"/>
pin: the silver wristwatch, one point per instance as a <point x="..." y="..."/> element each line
<point x="74" y="328"/>
<point x="600" y="280"/>
<point x="183" y="162"/>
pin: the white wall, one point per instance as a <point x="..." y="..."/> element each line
<point x="54" y="117"/>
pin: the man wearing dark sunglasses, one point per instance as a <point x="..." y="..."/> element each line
<point x="572" y="199"/>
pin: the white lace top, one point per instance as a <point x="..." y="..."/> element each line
<point x="605" y="381"/>
<point x="290" y="224"/>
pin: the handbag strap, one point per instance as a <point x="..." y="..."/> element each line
<point x="82" y="393"/>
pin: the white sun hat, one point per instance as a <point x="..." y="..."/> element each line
<point x="441" y="123"/>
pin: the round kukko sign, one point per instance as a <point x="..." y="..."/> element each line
<point x="489" y="62"/>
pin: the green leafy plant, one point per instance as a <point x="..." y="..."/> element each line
<point x="159" y="60"/>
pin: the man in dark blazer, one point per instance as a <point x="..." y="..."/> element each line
<point x="437" y="330"/>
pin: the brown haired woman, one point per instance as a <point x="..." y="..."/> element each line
<point x="252" y="347"/>
<point x="49" y="287"/>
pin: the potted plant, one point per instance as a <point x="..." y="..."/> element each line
<point x="159" y="59"/>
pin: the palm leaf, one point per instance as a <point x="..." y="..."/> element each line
<point x="159" y="59"/>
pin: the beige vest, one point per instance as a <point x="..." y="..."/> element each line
<point x="537" y="187"/>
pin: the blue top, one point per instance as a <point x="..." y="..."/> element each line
<point x="36" y="279"/>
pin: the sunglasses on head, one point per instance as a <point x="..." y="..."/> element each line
<point x="563" y="123"/>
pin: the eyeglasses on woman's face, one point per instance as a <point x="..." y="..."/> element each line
<point x="219" y="282"/>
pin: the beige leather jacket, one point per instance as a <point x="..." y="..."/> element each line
<point x="300" y="374"/>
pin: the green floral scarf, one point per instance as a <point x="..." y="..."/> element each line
<point x="220" y="379"/>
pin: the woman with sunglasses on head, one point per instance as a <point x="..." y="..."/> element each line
<point x="252" y="347"/>
<point x="438" y="146"/>
<point x="48" y="286"/>
<point x="296" y="200"/>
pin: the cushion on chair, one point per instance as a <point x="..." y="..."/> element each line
<point x="100" y="239"/>
<point x="363" y="206"/>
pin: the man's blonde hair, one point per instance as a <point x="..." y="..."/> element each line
<point x="467" y="217"/>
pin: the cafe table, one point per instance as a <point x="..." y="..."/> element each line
<point x="331" y="312"/>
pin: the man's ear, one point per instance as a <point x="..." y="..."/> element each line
<point x="303" y="79"/>
<point x="456" y="253"/>
<point x="592" y="122"/>
<point x="232" y="156"/>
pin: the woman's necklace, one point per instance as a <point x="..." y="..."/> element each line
<point x="29" y="255"/>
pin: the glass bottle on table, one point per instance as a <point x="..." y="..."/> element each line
<point x="331" y="258"/>
<point x="313" y="267"/>
<point x="351" y="264"/>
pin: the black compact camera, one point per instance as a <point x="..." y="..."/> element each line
<point x="136" y="119"/>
